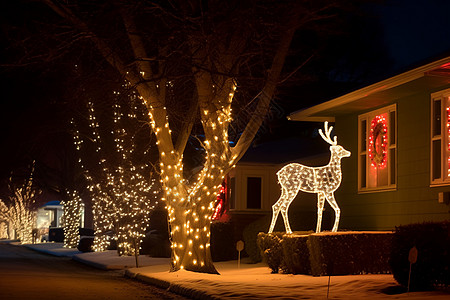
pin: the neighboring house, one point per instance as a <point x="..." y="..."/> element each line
<point x="398" y="131"/>
<point x="48" y="216"/>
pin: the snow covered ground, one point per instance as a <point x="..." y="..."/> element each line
<point x="250" y="281"/>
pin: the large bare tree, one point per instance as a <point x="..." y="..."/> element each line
<point x="197" y="56"/>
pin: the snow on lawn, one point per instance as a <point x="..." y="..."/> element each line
<point x="255" y="281"/>
<point x="250" y="281"/>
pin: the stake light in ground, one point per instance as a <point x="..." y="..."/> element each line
<point x="322" y="181"/>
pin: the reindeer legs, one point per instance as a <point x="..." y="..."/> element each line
<point x="337" y="210"/>
<point x="284" y="212"/>
<point x="320" y="204"/>
<point x="276" y="208"/>
<point x="282" y="205"/>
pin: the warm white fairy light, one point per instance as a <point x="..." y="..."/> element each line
<point x="322" y="181"/>
<point x="20" y="213"/>
<point x="71" y="218"/>
<point x="190" y="206"/>
<point x="123" y="199"/>
<point x="3" y="230"/>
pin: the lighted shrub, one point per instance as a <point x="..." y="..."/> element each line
<point x="432" y="241"/>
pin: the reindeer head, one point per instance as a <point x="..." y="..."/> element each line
<point x="334" y="148"/>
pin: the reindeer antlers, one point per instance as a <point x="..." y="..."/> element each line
<point x="326" y="137"/>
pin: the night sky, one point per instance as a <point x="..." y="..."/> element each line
<point x="412" y="32"/>
<point x="415" y="30"/>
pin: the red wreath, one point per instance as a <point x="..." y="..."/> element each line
<point x="378" y="142"/>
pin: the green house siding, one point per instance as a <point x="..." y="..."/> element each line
<point x="413" y="200"/>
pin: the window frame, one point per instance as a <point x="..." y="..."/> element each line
<point x="444" y="139"/>
<point x="241" y="175"/>
<point x="391" y="161"/>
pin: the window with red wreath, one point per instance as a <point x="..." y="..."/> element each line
<point x="377" y="150"/>
<point x="440" y="138"/>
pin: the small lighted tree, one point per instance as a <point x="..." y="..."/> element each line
<point x="3" y="230"/>
<point x="122" y="196"/>
<point x="20" y="211"/>
<point x="4" y="220"/>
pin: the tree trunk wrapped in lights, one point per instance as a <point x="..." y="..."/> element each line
<point x="195" y="52"/>
<point x="71" y="219"/>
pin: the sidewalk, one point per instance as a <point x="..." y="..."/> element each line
<point x="250" y="281"/>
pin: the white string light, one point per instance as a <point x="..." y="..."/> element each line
<point x="123" y="198"/>
<point x="322" y="181"/>
<point x="20" y="214"/>
<point x="191" y="206"/>
<point x="71" y="219"/>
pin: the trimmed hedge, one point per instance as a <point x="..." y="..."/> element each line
<point x="432" y="268"/>
<point x="271" y="249"/>
<point x="283" y="252"/>
<point x="295" y="254"/>
<point x="347" y="253"/>
<point x="327" y="253"/>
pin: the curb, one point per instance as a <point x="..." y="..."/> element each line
<point x="97" y="265"/>
<point x="49" y="252"/>
<point x="171" y="287"/>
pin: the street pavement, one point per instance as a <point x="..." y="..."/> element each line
<point x="26" y="274"/>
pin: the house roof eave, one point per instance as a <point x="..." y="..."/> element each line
<point x="422" y="76"/>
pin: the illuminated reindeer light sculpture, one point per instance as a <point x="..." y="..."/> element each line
<point x="322" y="181"/>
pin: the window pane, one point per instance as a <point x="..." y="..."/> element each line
<point x="362" y="163"/>
<point x="382" y="177"/>
<point x="363" y="138"/>
<point x="253" y="192"/>
<point x="392" y="165"/>
<point x="436" y="159"/>
<point x="446" y="141"/>
<point x="378" y="151"/>
<point x="437" y="117"/>
<point x="392" y="128"/>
